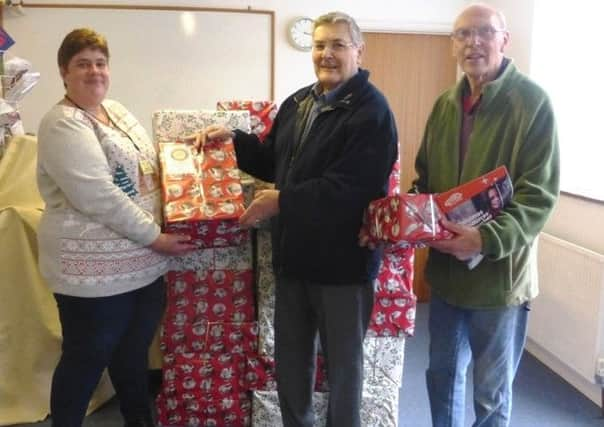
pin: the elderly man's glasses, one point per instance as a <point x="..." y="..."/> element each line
<point x="484" y="33"/>
<point x="335" y="46"/>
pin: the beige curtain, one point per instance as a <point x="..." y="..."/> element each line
<point x="30" y="333"/>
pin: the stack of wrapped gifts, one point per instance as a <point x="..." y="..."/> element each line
<point x="218" y="332"/>
<point x="209" y="328"/>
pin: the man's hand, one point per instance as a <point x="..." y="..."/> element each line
<point x="265" y="205"/>
<point x="463" y="246"/>
<point x="172" y="244"/>
<point x="211" y="132"/>
<point x="366" y="241"/>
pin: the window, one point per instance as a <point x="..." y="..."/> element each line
<point x="567" y="61"/>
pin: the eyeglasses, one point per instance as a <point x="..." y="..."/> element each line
<point x="335" y="46"/>
<point x="484" y="33"/>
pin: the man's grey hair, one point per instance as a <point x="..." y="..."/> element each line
<point x="497" y="13"/>
<point x="337" y="17"/>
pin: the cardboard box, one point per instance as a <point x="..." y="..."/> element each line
<point x="477" y="201"/>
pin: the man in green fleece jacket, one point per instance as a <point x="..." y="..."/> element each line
<point x="494" y="116"/>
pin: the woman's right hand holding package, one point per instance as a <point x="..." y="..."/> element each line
<point x="172" y="244"/>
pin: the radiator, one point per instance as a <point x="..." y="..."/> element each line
<point x="567" y="319"/>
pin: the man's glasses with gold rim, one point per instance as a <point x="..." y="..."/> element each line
<point x="334" y="46"/>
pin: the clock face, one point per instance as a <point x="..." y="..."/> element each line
<point x="300" y="33"/>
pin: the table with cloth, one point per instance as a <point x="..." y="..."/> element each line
<point x="30" y="332"/>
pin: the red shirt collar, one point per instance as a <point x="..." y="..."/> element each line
<point x="468" y="106"/>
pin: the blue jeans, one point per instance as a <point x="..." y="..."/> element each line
<point x="112" y="332"/>
<point x="493" y="339"/>
<point x="340" y="314"/>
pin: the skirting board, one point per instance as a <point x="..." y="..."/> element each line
<point x="592" y="391"/>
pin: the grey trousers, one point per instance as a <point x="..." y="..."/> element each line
<point x="340" y="314"/>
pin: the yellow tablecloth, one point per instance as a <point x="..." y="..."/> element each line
<point x="30" y="333"/>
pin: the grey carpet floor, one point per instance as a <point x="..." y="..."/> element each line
<point x="541" y="398"/>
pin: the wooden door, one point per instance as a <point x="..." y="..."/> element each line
<point x="411" y="70"/>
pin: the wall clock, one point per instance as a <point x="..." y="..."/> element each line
<point x="300" y="33"/>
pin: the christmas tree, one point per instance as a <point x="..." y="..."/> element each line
<point x="122" y="180"/>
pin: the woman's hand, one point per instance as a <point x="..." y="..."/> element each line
<point x="211" y="132"/>
<point x="172" y="244"/>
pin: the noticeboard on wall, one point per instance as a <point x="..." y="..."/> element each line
<point x="160" y="56"/>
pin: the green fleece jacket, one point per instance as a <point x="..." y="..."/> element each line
<point x="513" y="126"/>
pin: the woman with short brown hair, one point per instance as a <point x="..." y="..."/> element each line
<point x="102" y="251"/>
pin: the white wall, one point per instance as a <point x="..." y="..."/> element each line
<point x="519" y="16"/>
<point x="293" y="69"/>
<point x="574" y="219"/>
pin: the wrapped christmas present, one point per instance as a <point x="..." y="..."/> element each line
<point x="383" y="359"/>
<point x="179" y="411"/>
<point x="200" y="387"/>
<point x="199" y="375"/>
<point x="379" y="408"/>
<point x="411" y="218"/>
<point x="237" y="258"/>
<point x="395" y="279"/>
<point x="202" y="193"/>
<point x="259" y="373"/>
<point x="195" y="301"/>
<point x="266" y="412"/>
<point x="477" y="201"/>
<point x="169" y="125"/>
<point x="216" y="295"/>
<point x="262" y="114"/>
<point x="265" y="293"/>
<point x="392" y="317"/>
<point x="395" y="274"/>
<point x="232" y="338"/>
<point x="394" y="306"/>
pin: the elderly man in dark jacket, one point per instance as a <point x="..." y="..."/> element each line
<point x="330" y="151"/>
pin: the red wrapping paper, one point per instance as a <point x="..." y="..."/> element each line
<point x="412" y="218"/>
<point x="262" y="114"/>
<point x="200" y="374"/>
<point x="395" y="280"/>
<point x="232" y="337"/>
<point x="202" y="194"/>
<point x="229" y="411"/>
<point x="201" y="389"/>
<point x="196" y="299"/>
<point x="392" y="317"/>
<point x="259" y="373"/>
<point x="395" y="276"/>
